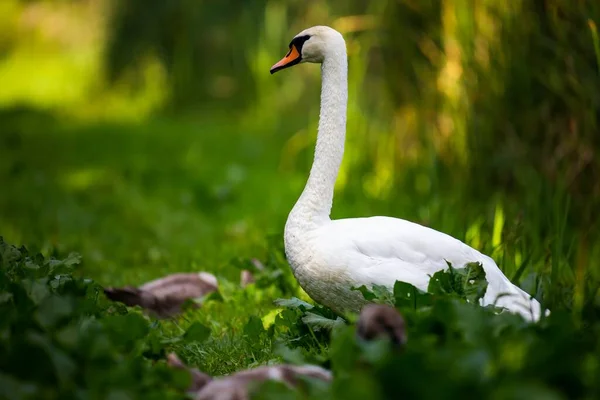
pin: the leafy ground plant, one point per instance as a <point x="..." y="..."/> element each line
<point x="60" y="338"/>
<point x="457" y="348"/>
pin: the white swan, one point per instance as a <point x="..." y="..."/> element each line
<point x="329" y="257"/>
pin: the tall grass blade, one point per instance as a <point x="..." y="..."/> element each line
<point x="596" y="40"/>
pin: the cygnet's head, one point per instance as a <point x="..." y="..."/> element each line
<point x="312" y="45"/>
<point x="381" y="321"/>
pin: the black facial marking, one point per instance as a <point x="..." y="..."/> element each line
<point x="299" y="42"/>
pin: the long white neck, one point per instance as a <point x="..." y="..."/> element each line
<point x="314" y="205"/>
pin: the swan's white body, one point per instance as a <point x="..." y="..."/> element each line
<point x="329" y="257"/>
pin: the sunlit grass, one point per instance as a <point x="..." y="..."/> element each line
<point x="596" y="41"/>
<point x="51" y="65"/>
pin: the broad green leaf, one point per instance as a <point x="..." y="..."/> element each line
<point x="318" y="322"/>
<point x="294" y="356"/>
<point x="64" y="266"/>
<point x="37" y="289"/>
<point x="474" y="282"/>
<point x="441" y="283"/>
<point x="9" y="254"/>
<point x="126" y="329"/>
<point x="254" y="327"/>
<point x="213" y="296"/>
<point x="408" y="296"/>
<point x="53" y="309"/>
<point x="287" y="318"/>
<point x="294" y="302"/>
<point x="62" y="328"/>
<point x="68" y="336"/>
<point x="377" y="294"/>
<point x="367" y="294"/>
<point x="382" y="295"/>
<point x="196" y="333"/>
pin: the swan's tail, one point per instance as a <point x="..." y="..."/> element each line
<point x="502" y="293"/>
<point x="519" y="302"/>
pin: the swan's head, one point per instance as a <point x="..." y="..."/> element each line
<point x="312" y="45"/>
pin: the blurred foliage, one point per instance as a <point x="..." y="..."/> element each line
<point x="499" y="94"/>
<point x="455" y="348"/>
<point x="492" y="85"/>
<point x="58" y="340"/>
<point x="463" y="348"/>
<point x="62" y="339"/>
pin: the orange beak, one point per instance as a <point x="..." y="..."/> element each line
<point x="293" y="57"/>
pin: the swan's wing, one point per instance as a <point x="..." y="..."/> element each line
<point x="389" y="239"/>
<point x="381" y="250"/>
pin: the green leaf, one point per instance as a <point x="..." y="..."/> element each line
<point x="9" y="255"/>
<point x="53" y="309"/>
<point x="318" y="322"/>
<point x="474" y="282"/>
<point x="254" y="327"/>
<point x="377" y="294"/>
<point x="65" y="266"/>
<point x="72" y="259"/>
<point x="441" y="283"/>
<point x="293" y="356"/>
<point x="58" y="337"/>
<point x="37" y="289"/>
<point x="215" y="296"/>
<point x="367" y="294"/>
<point x="466" y="283"/>
<point x="293" y="302"/>
<point x="126" y="329"/>
<point x="383" y="295"/>
<point x="196" y="333"/>
<point x="287" y="318"/>
<point x="68" y="337"/>
<point x="408" y="296"/>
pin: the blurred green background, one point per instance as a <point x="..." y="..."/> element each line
<point x="149" y="136"/>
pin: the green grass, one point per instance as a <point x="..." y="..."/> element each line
<point x="142" y="200"/>
<point x="139" y="201"/>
